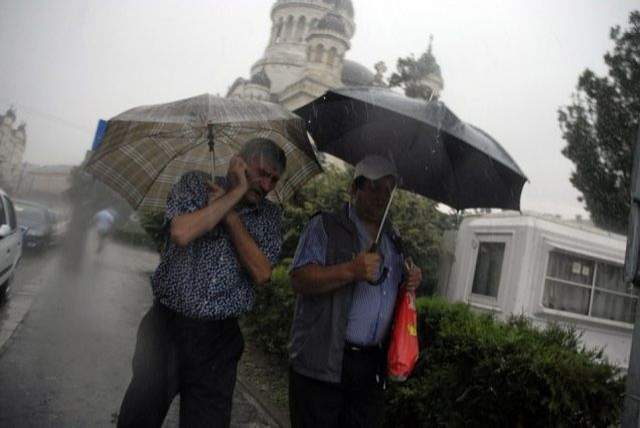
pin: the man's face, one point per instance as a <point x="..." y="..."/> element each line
<point x="372" y="197"/>
<point x="263" y="176"/>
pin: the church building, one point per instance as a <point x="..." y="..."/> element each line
<point x="305" y="55"/>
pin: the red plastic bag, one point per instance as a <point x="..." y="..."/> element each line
<point x="403" y="349"/>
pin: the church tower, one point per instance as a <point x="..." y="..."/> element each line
<point x="292" y="22"/>
<point x="305" y="54"/>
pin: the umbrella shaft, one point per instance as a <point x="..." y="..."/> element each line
<point x="384" y="216"/>
<point x="212" y="159"/>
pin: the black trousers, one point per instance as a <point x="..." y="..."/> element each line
<point x="357" y="401"/>
<point x="177" y="355"/>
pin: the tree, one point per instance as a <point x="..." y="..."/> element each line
<point x="600" y="126"/>
<point x="420" y="78"/>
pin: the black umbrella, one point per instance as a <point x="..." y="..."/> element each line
<point x="437" y="155"/>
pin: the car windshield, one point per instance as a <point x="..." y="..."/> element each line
<point x="30" y="215"/>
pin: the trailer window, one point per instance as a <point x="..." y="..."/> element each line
<point x="589" y="287"/>
<point x="486" y="279"/>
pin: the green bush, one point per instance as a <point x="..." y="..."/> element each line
<point x="269" y="322"/>
<point x="476" y="371"/>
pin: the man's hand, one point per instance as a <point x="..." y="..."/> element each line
<point x="412" y="275"/>
<point x="366" y="267"/>
<point x="215" y="192"/>
<point x="237" y="173"/>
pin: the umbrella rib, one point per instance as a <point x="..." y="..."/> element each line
<point x="107" y="150"/>
<point x="166" y="165"/>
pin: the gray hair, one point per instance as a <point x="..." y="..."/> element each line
<point x="265" y="149"/>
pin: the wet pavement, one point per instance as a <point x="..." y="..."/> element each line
<point x="67" y="333"/>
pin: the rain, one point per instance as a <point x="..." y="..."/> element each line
<point x="509" y="129"/>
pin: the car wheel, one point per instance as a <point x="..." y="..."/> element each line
<point x="5" y="287"/>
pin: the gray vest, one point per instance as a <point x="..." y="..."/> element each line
<point x="320" y="321"/>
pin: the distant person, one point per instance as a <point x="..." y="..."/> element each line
<point x="225" y="238"/>
<point x="103" y="220"/>
<point x="344" y="306"/>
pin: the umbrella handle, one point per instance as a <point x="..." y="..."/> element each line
<point x="385" y="271"/>
<point x="212" y="153"/>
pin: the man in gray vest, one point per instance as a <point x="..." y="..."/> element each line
<point x="345" y="300"/>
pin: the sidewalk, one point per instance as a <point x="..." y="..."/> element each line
<point x="67" y="361"/>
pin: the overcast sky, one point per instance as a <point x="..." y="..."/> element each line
<point x="507" y="65"/>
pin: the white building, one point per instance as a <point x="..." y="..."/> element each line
<point x="44" y="180"/>
<point x="13" y="141"/>
<point x="305" y="55"/>
<point x="545" y="269"/>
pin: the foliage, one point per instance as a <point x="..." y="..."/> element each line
<point x="411" y="74"/>
<point x="270" y="320"/>
<point x="600" y="127"/>
<point x="153" y="223"/>
<point x="475" y="371"/>
<point x="132" y="233"/>
<point x="325" y="192"/>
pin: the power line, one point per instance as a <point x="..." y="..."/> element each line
<point x="51" y="117"/>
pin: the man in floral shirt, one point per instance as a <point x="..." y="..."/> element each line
<point x="224" y="238"/>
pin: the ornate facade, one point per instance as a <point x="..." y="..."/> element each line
<point x="13" y="141"/>
<point x="305" y="56"/>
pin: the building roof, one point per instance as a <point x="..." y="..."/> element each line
<point x="261" y="78"/>
<point x="333" y="22"/>
<point x="356" y="74"/>
<point x="236" y="83"/>
<point x="581" y="224"/>
<point x="344" y="6"/>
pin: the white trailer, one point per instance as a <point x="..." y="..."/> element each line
<point x="545" y="269"/>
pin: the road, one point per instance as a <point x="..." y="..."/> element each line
<point x="67" y="334"/>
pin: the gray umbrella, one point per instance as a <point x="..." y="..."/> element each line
<point x="437" y="155"/>
<point x="145" y="150"/>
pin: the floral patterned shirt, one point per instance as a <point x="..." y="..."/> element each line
<point x="204" y="279"/>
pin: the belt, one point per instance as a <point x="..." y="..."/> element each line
<point x="368" y="349"/>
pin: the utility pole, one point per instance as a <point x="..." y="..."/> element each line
<point x="631" y="411"/>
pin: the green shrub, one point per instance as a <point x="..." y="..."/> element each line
<point x="475" y="371"/>
<point x="269" y="322"/>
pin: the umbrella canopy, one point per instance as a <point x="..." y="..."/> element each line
<point x="145" y="150"/>
<point x="437" y="155"/>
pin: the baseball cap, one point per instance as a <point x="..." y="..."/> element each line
<point x="374" y="167"/>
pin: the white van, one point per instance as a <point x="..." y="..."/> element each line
<point x="10" y="242"/>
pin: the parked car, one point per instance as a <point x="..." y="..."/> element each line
<point x="39" y="221"/>
<point x="10" y="243"/>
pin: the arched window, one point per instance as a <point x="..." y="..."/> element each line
<point x="302" y="22"/>
<point x="331" y="59"/>
<point x="314" y="23"/>
<point x="309" y="51"/>
<point x="319" y="53"/>
<point x="288" y="28"/>
<point x="278" y="36"/>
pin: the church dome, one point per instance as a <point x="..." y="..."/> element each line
<point x="333" y="22"/>
<point x="356" y="74"/>
<point x="261" y="79"/>
<point x="342" y="6"/>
